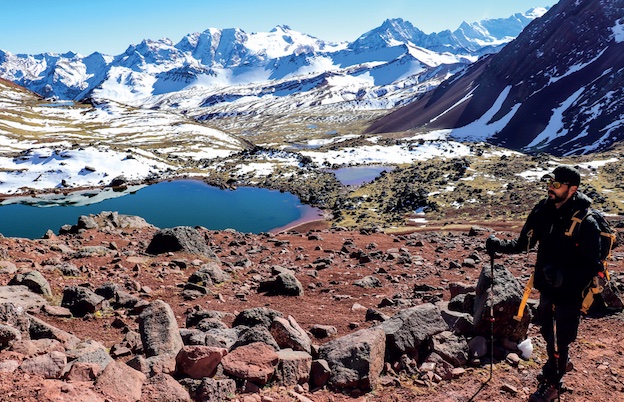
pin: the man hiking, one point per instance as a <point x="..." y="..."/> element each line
<point x="564" y="268"/>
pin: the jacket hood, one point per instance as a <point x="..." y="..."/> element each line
<point x="581" y="201"/>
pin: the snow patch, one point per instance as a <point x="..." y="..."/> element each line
<point x="482" y="129"/>
<point x="618" y="31"/>
<point x="555" y="128"/>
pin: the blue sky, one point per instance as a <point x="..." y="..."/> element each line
<point x="110" y="26"/>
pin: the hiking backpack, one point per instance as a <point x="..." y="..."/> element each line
<point x="601" y="285"/>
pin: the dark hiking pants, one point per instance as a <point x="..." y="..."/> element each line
<point x="567" y="317"/>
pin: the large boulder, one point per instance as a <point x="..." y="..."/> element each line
<point x="181" y="238"/>
<point x="34" y="281"/>
<point x="356" y="360"/>
<point x="199" y="361"/>
<point x="284" y="284"/>
<point x="293" y="367"/>
<point x="411" y="331"/>
<point x="159" y="330"/>
<point x="289" y="334"/>
<point x="50" y="365"/>
<point x="255" y="363"/>
<point x="120" y="382"/>
<point x="256" y="316"/>
<point x="504" y="299"/>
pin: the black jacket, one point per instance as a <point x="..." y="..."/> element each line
<point x="576" y="258"/>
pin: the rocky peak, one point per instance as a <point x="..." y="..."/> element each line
<point x="556" y="88"/>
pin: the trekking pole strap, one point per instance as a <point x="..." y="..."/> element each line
<point x="525" y="298"/>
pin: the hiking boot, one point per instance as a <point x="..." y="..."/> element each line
<point x="569" y="367"/>
<point x="546" y="392"/>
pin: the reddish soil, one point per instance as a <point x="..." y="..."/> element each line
<point x="330" y="299"/>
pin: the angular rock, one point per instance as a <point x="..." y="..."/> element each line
<point x="460" y="323"/>
<point x="288" y="334"/>
<point x="164" y="388"/>
<point x="410" y="331"/>
<point x="458" y="288"/>
<point x="225" y="338"/>
<point x="214" y="272"/>
<point x="211" y="390"/>
<point x="255" y="362"/>
<point x="159" y="330"/>
<point x="284" y="284"/>
<point x="452" y="348"/>
<point x="150" y="366"/>
<point x="256" y="316"/>
<point x="199" y="361"/>
<point x="12" y="311"/>
<point x="81" y="300"/>
<point x="323" y="331"/>
<point x="51" y="365"/>
<point x="68" y="269"/>
<point x="293" y="367"/>
<point x="120" y="382"/>
<point x="255" y="334"/>
<point x="34" y="281"/>
<point x="181" y="238"/>
<point x="193" y="337"/>
<point x="40" y="329"/>
<point x="368" y="282"/>
<point x="356" y="360"/>
<point x="89" y="351"/>
<point x="36" y="347"/>
<point x="505" y="298"/>
<point x="83" y="372"/>
<point x="320" y="372"/>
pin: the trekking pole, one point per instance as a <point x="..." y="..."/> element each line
<point x="556" y="354"/>
<point x="491" y="290"/>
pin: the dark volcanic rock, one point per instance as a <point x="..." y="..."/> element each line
<point x="180" y="238"/>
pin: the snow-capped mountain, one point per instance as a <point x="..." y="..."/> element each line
<point x="230" y="58"/>
<point x="557" y="88"/>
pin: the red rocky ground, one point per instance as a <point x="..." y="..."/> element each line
<point x="438" y="258"/>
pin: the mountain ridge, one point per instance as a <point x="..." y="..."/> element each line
<point x="563" y="96"/>
<point x="212" y="50"/>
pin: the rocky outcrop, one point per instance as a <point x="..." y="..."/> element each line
<point x="356" y="360"/>
<point x="183" y="239"/>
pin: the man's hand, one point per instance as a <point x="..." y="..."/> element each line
<point x="493" y="245"/>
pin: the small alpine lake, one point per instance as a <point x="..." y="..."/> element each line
<point x="165" y="204"/>
<point x="357" y="175"/>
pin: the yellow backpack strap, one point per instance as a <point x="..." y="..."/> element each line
<point x="593" y="289"/>
<point x="525" y="298"/>
<point x="576" y="220"/>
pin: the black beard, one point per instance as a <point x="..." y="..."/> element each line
<point x="555" y="198"/>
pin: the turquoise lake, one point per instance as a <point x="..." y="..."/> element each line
<point x="165" y="204"/>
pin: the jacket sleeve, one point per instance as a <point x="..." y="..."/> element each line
<point x="527" y="238"/>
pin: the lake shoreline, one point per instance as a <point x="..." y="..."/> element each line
<point x="301" y="216"/>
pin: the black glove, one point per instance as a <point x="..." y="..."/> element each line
<point x="493" y="245"/>
<point x="553" y="276"/>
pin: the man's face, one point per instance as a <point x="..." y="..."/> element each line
<point x="558" y="192"/>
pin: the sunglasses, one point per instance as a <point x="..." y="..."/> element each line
<point x="554" y="184"/>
